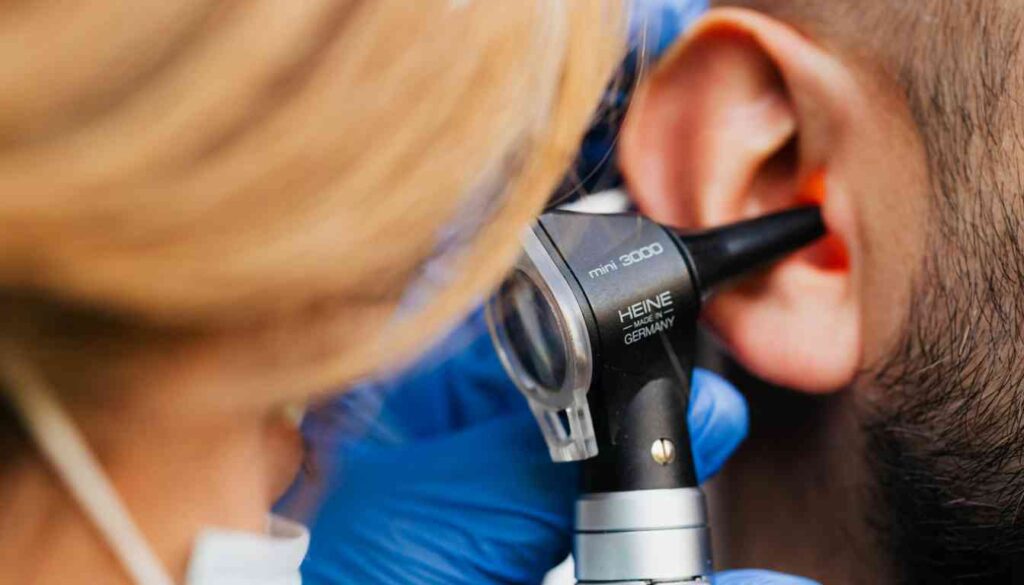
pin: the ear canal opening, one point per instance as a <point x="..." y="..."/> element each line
<point x="786" y="160"/>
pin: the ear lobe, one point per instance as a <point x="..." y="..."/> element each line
<point x="727" y="128"/>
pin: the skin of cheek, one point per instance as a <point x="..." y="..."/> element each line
<point x="890" y="204"/>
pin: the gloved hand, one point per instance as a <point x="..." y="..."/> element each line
<point x="454" y="484"/>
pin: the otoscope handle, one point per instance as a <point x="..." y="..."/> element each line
<point x="654" y="525"/>
<point x="645" y="444"/>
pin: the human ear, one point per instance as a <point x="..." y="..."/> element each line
<point x="743" y="117"/>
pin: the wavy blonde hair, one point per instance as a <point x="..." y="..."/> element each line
<point x="270" y="177"/>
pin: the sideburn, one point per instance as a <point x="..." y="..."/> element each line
<point x="945" y="425"/>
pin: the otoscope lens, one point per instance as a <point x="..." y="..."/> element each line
<point x="532" y="331"/>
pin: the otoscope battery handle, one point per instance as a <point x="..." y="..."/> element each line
<point x="654" y="528"/>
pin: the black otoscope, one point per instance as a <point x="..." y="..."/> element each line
<point x="597" y="326"/>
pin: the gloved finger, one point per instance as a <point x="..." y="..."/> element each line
<point x="719" y="421"/>
<point x="459" y="383"/>
<point x="484" y="505"/>
<point x="753" y="577"/>
<point x="467" y="387"/>
<point x="490" y="461"/>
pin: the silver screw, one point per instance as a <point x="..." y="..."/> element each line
<point x="663" y="451"/>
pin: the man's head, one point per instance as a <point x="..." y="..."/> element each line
<point x="911" y="111"/>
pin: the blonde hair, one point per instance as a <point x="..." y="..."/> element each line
<point x="276" y="172"/>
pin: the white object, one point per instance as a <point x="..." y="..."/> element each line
<point x="564" y="574"/>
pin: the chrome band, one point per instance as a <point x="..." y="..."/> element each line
<point x="662" y="555"/>
<point x="641" y="537"/>
<point x="641" y="510"/>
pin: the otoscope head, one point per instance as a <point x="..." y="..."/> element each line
<point x="597" y="326"/>
<point x="720" y="255"/>
<point x="601" y="311"/>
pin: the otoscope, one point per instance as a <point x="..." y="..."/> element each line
<point x="597" y="326"/>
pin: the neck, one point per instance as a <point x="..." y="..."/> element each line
<point x="175" y="475"/>
<point x="793" y="499"/>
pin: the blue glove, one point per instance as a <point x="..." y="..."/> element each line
<point x="454" y="484"/>
<point x="655" y="24"/>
